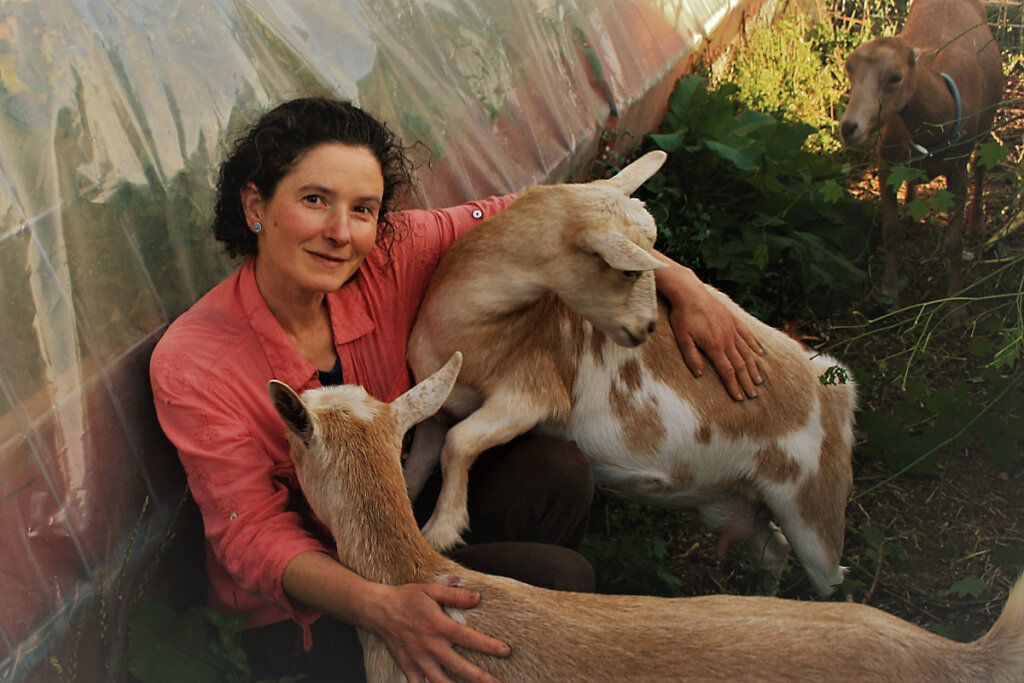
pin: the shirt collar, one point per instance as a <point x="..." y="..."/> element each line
<point x="349" y="321"/>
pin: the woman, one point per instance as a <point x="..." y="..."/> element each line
<point x="328" y="292"/>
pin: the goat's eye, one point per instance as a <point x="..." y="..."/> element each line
<point x="894" y="80"/>
<point x="632" y="273"/>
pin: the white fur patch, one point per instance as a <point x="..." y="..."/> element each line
<point x="349" y="397"/>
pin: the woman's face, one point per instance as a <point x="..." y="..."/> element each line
<point x="320" y="224"/>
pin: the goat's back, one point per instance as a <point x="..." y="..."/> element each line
<point x="957" y="31"/>
<point x="678" y="420"/>
<point x="556" y="636"/>
<point x="935" y="24"/>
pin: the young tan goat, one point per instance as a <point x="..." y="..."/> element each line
<point x="933" y="90"/>
<point x="551" y="301"/>
<point x="347" y="451"/>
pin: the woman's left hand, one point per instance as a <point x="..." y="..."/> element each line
<point x="705" y="327"/>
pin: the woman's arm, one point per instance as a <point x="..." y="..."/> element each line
<point x="702" y="324"/>
<point x="409" y="618"/>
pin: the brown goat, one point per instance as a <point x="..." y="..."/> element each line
<point x="347" y="451"/>
<point x="933" y="90"/>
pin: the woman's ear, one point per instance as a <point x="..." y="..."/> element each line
<point x="252" y="202"/>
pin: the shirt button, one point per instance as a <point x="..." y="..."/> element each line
<point x="477" y="213"/>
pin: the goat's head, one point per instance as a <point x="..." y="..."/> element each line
<point x="882" y="79"/>
<point x="339" y="434"/>
<point x="609" y="278"/>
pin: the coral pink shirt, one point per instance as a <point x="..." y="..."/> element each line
<point x="210" y="372"/>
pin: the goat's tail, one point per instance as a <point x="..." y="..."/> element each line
<point x="1000" y="652"/>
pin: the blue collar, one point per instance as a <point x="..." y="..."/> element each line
<point x="954" y="137"/>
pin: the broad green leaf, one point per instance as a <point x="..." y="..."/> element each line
<point x="900" y="174"/>
<point x="992" y="153"/>
<point x="669" y="142"/>
<point x="734" y="155"/>
<point x="1009" y="557"/>
<point x="680" y="100"/>
<point x="972" y="587"/>
<point x="832" y="191"/>
<point x="871" y="535"/>
<point x="918" y="209"/>
<point x="941" y="200"/>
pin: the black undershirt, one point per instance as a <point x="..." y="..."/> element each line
<point x="332" y="376"/>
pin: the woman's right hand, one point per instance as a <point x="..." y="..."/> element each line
<point x="422" y="637"/>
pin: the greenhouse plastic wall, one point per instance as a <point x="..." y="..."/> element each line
<point x="113" y="116"/>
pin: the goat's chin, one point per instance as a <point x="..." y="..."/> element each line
<point x="623" y="337"/>
<point x="857" y="140"/>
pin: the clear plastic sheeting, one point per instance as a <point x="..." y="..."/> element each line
<point x="113" y="116"/>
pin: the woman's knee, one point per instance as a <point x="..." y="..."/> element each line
<point x="542" y="466"/>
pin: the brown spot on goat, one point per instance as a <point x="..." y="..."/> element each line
<point x="642" y="429"/>
<point x="703" y="434"/>
<point x="783" y="405"/>
<point x="773" y="464"/>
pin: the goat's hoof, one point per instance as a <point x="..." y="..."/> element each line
<point x="441" y="537"/>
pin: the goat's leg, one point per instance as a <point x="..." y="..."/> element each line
<point x="769" y="548"/>
<point x="497" y="421"/>
<point x="911" y="192"/>
<point x="740" y="519"/>
<point x="976" y="214"/>
<point x="427" y="443"/>
<point x="892" y="235"/>
<point x="817" y="539"/>
<point x="953" y="248"/>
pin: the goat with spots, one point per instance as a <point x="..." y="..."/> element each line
<point x="553" y="304"/>
<point x="347" y="451"/>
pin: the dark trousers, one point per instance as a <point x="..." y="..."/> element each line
<point x="529" y="502"/>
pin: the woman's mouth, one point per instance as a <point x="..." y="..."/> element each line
<point x="327" y="258"/>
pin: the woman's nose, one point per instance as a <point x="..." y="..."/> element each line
<point x="338" y="230"/>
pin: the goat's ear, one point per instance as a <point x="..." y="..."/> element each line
<point x="637" y="173"/>
<point x="618" y="251"/>
<point x="427" y="397"/>
<point x="291" y="409"/>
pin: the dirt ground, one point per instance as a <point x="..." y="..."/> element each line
<point x="965" y="523"/>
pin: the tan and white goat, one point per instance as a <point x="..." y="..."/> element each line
<point x="551" y="302"/>
<point x="933" y="90"/>
<point x="347" y="452"/>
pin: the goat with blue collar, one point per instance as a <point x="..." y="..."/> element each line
<point x="933" y="90"/>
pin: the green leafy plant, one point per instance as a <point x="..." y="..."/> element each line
<point x="200" y="645"/>
<point x="763" y="218"/>
<point x="631" y="554"/>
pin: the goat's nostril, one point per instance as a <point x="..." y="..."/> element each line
<point x="847" y="128"/>
<point x="650" y="327"/>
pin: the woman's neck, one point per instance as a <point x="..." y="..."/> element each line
<point x="303" y="316"/>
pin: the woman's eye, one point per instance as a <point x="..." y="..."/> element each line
<point x="314" y="199"/>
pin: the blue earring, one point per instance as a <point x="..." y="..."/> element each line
<point x="256" y="227"/>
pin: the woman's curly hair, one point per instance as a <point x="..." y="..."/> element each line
<point x="270" y="148"/>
